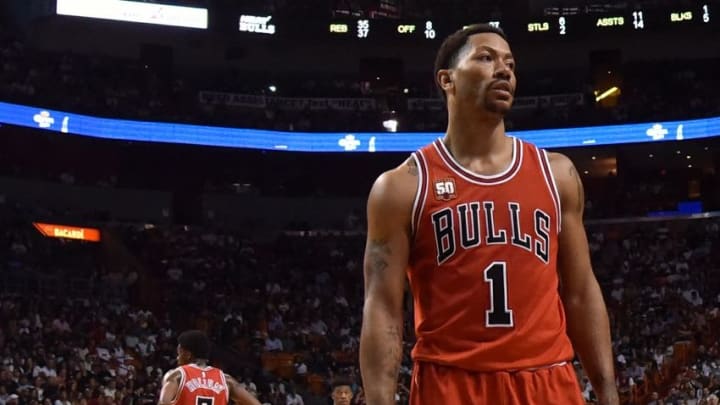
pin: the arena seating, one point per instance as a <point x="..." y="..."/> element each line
<point x="70" y="82"/>
<point x="110" y="338"/>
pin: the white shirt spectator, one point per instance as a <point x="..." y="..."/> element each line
<point x="274" y="344"/>
<point x="294" y="399"/>
<point x="119" y="353"/>
<point x="61" y="325"/>
<point x="340" y="300"/>
<point x="37" y="370"/>
<point x="250" y="387"/>
<point x="276" y="323"/>
<point x="109" y="392"/>
<point x="131" y="341"/>
<point x="319" y="327"/>
<point x="659" y="358"/>
<point x="103" y="353"/>
<point x="301" y="368"/>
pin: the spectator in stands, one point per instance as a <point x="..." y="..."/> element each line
<point x="342" y="393"/>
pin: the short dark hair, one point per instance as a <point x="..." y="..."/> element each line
<point x="449" y="51"/>
<point x="196" y="342"/>
<point x="340" y="381"/>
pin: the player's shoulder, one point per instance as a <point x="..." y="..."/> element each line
<point x="399" y="182"/>
<point x="562" y="167"/>
<point x="173" y="373"/>
<point x="567" y="178"/>
<point x="559" y="159"/>
<point x="393" y="193"/>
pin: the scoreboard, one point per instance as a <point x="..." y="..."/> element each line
<point x="701" y="15"/>
<point x="560" y="25"/>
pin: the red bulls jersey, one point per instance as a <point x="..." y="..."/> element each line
<point x="483" y="263"/>
<point x="202" y="386"/>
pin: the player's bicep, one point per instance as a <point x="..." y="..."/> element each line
<point x="574" y="265"/>
<point x="388" y="244"/>
<point x="170" y="388"/>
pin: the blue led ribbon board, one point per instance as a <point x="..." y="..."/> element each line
<point x="144" y="131"/>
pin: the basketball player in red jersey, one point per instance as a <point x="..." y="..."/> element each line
<point x="488" y="230"/>
<point x="194" y="382"/>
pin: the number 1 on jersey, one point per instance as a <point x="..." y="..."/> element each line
<point x="499" y="315"/>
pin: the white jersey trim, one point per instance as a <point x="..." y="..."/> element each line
<point x="422" y="190"/>
<point x="551" y="185"/>
<point x="553" y="365"/>
<point x="183" y="377"/>
<point x="227" y="388"/>
<point x="484" y="180"/>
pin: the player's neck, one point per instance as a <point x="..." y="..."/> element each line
<point x="477" y="137"/>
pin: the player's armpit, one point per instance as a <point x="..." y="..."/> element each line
<point x="386" y="258"/>
<point x="588" y="325"/>
<point x="170" y="387"/>
<point x="238" y="394"/>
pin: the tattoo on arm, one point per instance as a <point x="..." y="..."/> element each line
<point x="412" y="167"/>
<point x="173" y="376"/>
<point x="394" y="350"/>
<point x="378" y="250"/>
<point x="578" y="187"/>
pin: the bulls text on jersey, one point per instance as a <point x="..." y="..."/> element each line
<point x="475" y="232"/>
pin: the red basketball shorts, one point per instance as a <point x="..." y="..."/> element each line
<point x="434" y="384"/>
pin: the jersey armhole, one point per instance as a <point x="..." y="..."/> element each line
<point x="180" y="386"/>
<point x="551" y="184"/>
<point x="227" y="387"/>
<point x="420" y="194"/>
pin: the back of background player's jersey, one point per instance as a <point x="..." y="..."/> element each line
<point x="483" y="265"/>
<point x="202" y="386"/>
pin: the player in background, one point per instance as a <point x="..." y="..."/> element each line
<point x="194" y="382"/>
<point x="488" y="229"/>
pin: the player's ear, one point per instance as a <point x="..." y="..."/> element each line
<point x="444" y="79"/>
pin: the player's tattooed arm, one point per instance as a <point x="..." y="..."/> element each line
<point x="587" y="321"/>
<point x="412" y="166"/>
<point x="378" y="251"/>
<point x="394" y="350"/>
<point x="170" y="387"/>
<point x="175" y="375"/>
<point x="386" y="258"/>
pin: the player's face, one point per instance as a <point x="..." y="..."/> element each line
<point x="342" y="395"/>
<point x="485" y="73"/>
<point x="183" y="357"/>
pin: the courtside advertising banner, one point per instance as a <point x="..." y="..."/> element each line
<point x="68" y="232"/>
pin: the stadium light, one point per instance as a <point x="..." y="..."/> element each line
<point x="607" y="93"/>
<point x="391" y="125"/>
